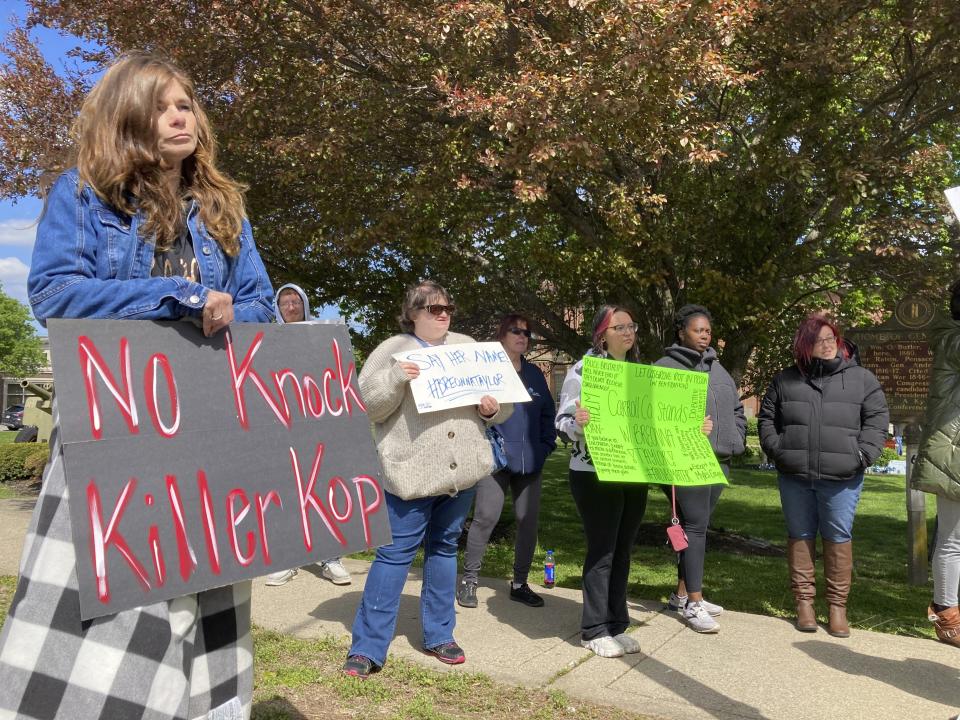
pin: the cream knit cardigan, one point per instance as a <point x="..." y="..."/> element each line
<point x="436" y="453"/>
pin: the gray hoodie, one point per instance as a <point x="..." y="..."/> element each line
<point x="300" y="292"/>
<point x="723" y="399"/>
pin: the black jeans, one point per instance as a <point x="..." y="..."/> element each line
<point x="526" y="506"/>
<point x="695" y="506"/>
<point x="611" y="514"/>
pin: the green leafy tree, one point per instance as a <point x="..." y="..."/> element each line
<point x="763" y="158"/>
<point x="21" y="351"/>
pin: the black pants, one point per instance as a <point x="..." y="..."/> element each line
<point x="695" y="506"/>
<point x="611" y="513"/>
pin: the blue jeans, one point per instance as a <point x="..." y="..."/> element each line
<point x="436" y="522"/>
<point x="826" y="506"/>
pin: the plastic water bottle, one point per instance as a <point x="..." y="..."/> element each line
<point x="549" y="570"/>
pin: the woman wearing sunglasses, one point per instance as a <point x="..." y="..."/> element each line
<point x="529" y="437"/>
<point x="611" y="511"/>
<point x="823" y="421"/>
<point x="726" y="427"/>
<point x="431" y="463"/>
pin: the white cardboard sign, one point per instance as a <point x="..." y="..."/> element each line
<point x="953" y="197"/>
<point x="457" y="375"/>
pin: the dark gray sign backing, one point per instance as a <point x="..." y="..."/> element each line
<point x="193" y="463"/>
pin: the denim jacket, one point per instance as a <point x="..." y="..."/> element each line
<point x="89" y="261"/>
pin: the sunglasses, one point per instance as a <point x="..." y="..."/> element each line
<point x="438" y="310"/>
<point x="520" y="331"/>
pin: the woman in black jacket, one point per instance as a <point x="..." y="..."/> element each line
<point x="727" y="429"/>
<point x="822" y="422"/>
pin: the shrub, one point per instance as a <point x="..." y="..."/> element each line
<point x="20" y="462"/>
<point x="886" y="455"/>
<point x="34" y="464"/>
<point x="752" y="427"/>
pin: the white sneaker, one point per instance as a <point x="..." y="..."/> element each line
<point x="280" y="578"/>
<point x="604" y="646"/>
<point x="699" y="619"/>
<point x="678" y="602"/>
<point x="335" y="572"/>
<point x="628" y="643"/>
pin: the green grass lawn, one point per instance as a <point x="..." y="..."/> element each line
<point x="7" y="436"/>
<point x="737" y="578"/>
<point x="8" y="584"/>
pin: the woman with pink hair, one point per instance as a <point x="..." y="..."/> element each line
<point x="611" y="511"/>
<point x="823" y="421"/>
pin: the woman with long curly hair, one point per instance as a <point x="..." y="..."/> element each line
<point x="143" y="228"/>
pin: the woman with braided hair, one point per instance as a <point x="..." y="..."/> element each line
<point x="726" y="427"/>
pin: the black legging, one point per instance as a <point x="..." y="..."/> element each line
<point x="611" y="514"/>
<point x="695" y="506"/>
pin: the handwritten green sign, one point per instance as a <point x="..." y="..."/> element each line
<point x="645" y="424"/>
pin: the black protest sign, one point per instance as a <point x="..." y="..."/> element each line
<point x="193" y="463"/>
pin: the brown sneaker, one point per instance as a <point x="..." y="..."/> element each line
<point x="947" y="624"/>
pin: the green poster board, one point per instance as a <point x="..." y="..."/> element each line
<point x="645" y="424"/>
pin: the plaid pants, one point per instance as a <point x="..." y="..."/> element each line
<point x="183" y="659"/>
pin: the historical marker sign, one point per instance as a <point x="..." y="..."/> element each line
<point x="898" y="353"/>
<point x="194" y="463"/>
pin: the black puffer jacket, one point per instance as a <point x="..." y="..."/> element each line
<point x="723" y="399"/>
<point x="829" y="424"/>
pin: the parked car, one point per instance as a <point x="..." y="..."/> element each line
<point x="13" y="417"/>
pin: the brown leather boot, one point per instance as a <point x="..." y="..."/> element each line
<point x="837" y="568"/>
<point x="803" y="581"/>
<point x="947" y="624"/>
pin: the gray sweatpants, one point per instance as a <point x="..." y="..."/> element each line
<point x="491" y="491"/>
<point x="946" y="556"/>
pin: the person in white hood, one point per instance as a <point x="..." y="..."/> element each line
<point x="292" y="306"/>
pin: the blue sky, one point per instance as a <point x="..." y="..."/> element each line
<point x="18" y="219"/>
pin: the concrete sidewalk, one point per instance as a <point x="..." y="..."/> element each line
<point x="756" y="667"/>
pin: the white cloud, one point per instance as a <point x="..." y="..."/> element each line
<point x="18" y="232"/>
<point x="13" y="276"/>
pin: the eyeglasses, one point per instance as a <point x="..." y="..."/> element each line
<point x="520" y="331"/>
<point x="625" y="329"/>
<point x="438" y="310"/>
<point x="831" y="340"/>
